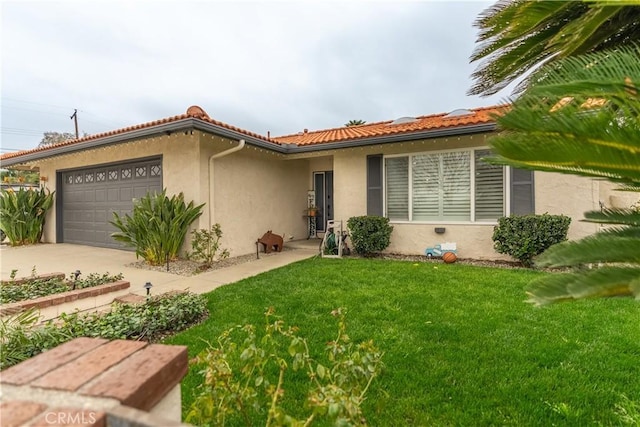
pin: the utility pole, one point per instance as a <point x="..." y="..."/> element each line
<point x="74" y="116"/>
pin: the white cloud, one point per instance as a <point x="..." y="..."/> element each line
<point x="263" y="66"/>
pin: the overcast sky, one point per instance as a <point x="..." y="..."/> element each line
<point x="262" y="66"/>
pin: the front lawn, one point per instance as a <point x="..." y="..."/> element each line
<point x="461" y="345"/>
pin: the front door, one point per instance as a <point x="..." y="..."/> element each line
<point x="323" y="187"/>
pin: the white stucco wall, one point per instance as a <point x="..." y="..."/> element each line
<point x="255" y="190"/>
<point x="258" y="190"/>
<point x="569" y="195"/>
<point x="611" y="197"/>
<point x="554" y="194"/>
<point x="179" y="153"/>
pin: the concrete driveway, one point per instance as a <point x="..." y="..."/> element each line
<point x="66" y="258"/>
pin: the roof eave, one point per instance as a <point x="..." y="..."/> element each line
<point x="388" y="139"/>
<point x="233" y="134"/>
<point x="176" y="126"/>
<point x="191" y="123"/>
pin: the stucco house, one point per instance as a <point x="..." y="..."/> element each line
<point x="425" y="173"/>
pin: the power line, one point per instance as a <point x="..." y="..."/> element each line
<point x="36" y="103"/>
<point x="20" y="130"/>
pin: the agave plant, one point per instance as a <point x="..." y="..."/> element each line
<point x="157" y="226"/>
<point x="582" y="116"/>
<point x="22" y="214"/>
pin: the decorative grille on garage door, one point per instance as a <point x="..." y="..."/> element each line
<point x="91" y="195"/>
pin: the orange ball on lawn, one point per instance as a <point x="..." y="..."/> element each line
<point x="449" y="257"/>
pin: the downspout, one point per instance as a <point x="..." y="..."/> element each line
<point x="238" y="147"/>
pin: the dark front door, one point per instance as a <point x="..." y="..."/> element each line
<point x="323" y="187"/>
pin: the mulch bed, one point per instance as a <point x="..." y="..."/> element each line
<point x="184" y="267"/>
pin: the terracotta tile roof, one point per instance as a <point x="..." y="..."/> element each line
<point x="192" y="112"/>
<point x="306" y="138"/>
<point x="421" y="123"/>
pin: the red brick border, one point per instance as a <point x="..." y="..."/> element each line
<point x="22" y="280"/>
<point x="132" y="373"/>
<point x="61" y="298"/>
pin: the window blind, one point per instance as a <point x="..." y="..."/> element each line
<point x="489" y="188"/>
<point x="397" y="188"/>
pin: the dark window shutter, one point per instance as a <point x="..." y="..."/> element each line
<point x="522" y="192"/>
<point x="374" y="185"/>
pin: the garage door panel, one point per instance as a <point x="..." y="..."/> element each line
<point x="101" y="216"/>
<point x="91" y="195"/>
<point x="113" y="195"/>
<point x="126" y="193"/>
<point x="86" y="216"/>
<point x="140" y="191"/>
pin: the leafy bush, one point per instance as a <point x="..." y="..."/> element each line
<point x="369" y="234"/>
<point x="22" y="214"/>
<point x="157" y="227"/>
<point x="157" y="316"/>
<point x="21" y="337"/>
<point x="94" y="279"/>
<point x="20" y="177"/>
<point x="525" y="236"/>
<point x="36" y="288"/>
<point x="244" y="376"/>
<point x="206" y="245"/>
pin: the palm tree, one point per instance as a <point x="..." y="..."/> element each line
<point x="517" y="36"/>
<point x="582" y="116"/>
<point x="354" y="123"/>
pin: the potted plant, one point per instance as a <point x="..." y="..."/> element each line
<point x="312" y="210"/>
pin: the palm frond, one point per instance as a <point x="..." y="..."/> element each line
<point x="581" y="116"/>
<point x="614" y="216"/>
<point x="516" y="37"/>
<point x="599" y="248"/>
<point x="599" y="282"/>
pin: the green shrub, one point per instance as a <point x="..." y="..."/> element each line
<point x="157" y="226"/>
<point x="159" y="315"/>
<point x="22" y="214"/>
<point x="36" y="288"/>
<point x="244" y="377"/>
<point x="206" y="245"/>
<point x="369" y="234"/>
<point x="94" y="279"/>
<point x="525" y="236"/>
<point x="21" y="337"/>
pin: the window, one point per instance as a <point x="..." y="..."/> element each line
<point x="489" y="188"/>
<point x="444" y="186"/>
<point x="397" y="188"/>
<point x="441" y="184"/>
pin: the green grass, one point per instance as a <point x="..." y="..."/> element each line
<point x="461" y="345"/>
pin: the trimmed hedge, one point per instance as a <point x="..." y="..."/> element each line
<point x="369" y="234"/>
<point x="525" y="236"/>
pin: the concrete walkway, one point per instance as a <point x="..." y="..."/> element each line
<point x="67" y="258"/>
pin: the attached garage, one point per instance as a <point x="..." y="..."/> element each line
<point x="88" y="197"/>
